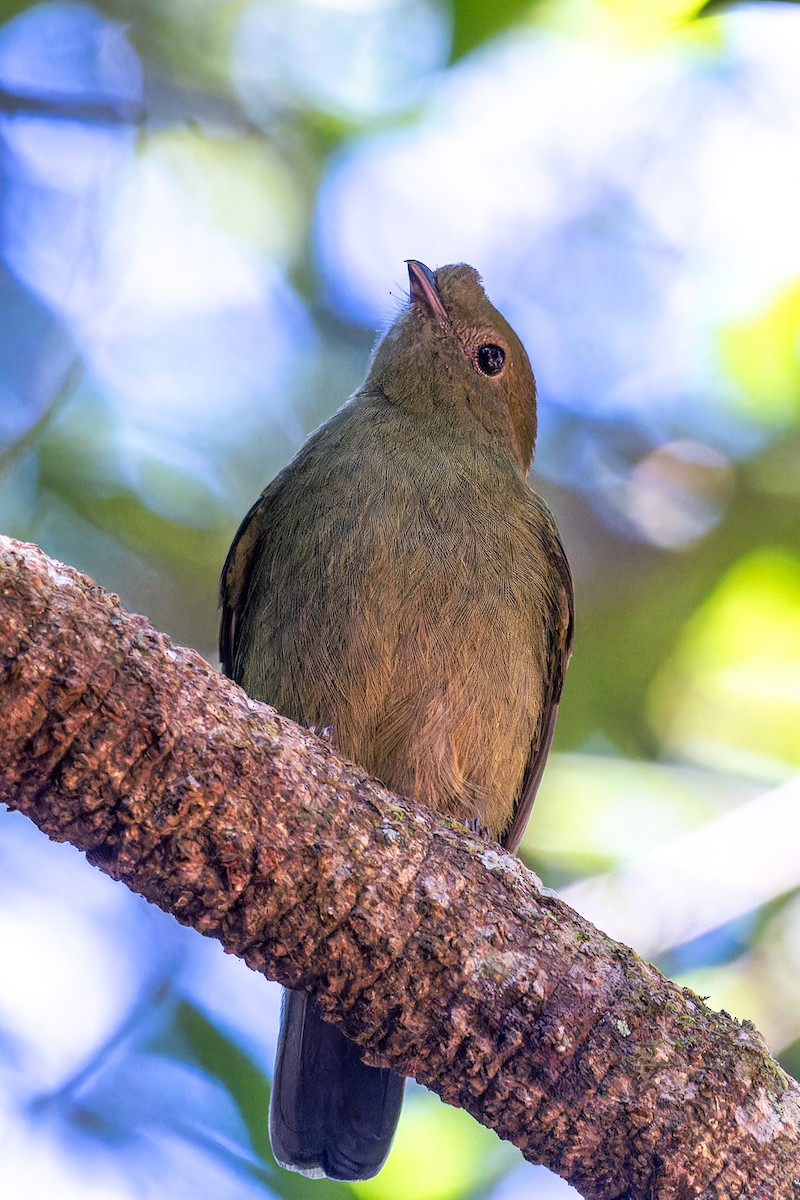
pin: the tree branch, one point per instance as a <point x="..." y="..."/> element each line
<point x="438" y="953"/>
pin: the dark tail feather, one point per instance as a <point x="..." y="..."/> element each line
<point x="329" y="1113"/>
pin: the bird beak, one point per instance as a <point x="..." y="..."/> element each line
<point x="422" y="289"/>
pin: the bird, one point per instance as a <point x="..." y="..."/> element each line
<point x="400" y="587"/>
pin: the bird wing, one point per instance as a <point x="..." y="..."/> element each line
<point x="559" y="648"/>
<point x="235" y="580"/>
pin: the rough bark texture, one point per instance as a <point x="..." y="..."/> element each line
<point x="436" y="951"/>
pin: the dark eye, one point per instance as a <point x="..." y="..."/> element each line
<point x="490" y="358"/>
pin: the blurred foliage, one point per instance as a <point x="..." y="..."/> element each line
<point x="475" y="23"/>
<point x="732" y="681"/>
<point x="761" y="354"/>
<point x="218" y="1055"/>
<point x="714" y="7"/>
<point x="206" y="205"/>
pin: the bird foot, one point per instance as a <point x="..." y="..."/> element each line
<point x="474" y="826"/>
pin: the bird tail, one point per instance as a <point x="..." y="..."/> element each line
<point x="329" y="1114"/>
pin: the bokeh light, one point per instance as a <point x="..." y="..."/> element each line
<point x="206" y="207"/>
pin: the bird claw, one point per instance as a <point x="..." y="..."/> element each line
<point x="473" y="824"/>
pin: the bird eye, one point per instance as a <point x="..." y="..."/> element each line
<point x="490" y="358"/>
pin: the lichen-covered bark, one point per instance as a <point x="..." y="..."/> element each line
<point x="436" y="951"/>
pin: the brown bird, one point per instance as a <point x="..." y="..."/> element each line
<point x="400" y="585"/>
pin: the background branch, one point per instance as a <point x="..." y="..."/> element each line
<point x="438" y="953"/>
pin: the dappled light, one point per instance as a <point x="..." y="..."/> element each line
<point x="206" y="207"/>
